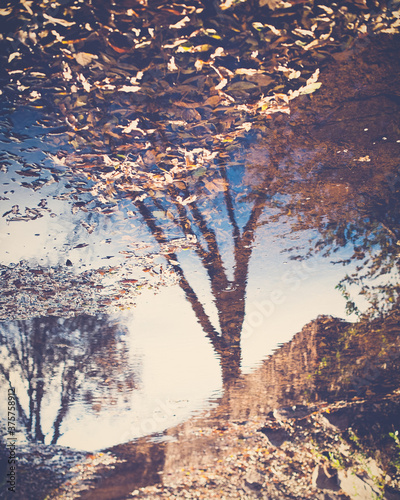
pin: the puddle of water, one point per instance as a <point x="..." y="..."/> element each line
<point x="168" y="226"/>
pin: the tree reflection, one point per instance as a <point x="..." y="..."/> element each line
<point x="299" y="178"/>
<point x="52" y="360"/>
<point x="368" y="225"/>
<point x="350" y="196"/>
<point x="197" y="222"/>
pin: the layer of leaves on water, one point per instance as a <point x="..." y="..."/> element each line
<point x="154" y="76"/>
<point x="152" y="83"/>
<point x="146" y="94"/>
<point x="28" y="291"/>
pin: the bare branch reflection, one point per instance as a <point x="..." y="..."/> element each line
<point x="61" y="360"/>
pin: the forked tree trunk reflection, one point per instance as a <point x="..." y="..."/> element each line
<point x="229" y="295"/>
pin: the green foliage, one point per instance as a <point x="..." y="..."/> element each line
<point x="336" y="460"/>
<point x="396" y="461"/>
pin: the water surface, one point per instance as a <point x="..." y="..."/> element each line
<point x="180" y="196"/>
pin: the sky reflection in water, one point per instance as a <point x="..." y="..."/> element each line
<point x="166" y="348"/>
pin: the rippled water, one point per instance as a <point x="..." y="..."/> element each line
<point x="179" y="198"/>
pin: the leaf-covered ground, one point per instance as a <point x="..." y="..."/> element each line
<point x="286" y="456"/>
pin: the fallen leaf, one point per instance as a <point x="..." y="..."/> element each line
<point x="84" y="58"/>
<point x="55" y="20"/>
